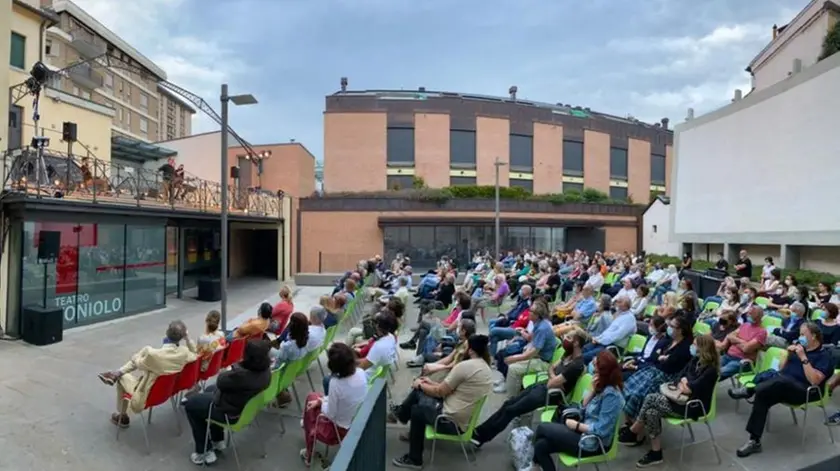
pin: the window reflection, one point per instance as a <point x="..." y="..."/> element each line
<point x="426" y="244"/>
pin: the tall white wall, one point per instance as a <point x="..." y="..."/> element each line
<point x="656" y="231"/>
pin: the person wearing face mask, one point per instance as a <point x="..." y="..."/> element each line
<point x="667" y="283"/>
<point x="698" y="382"/>
<point x="656" y="342"/>
<point x="789" y="331"/>
<point x="747" y="302"/>
<point x="743" y="344"/>
<point x="729" y="305"/>
<point x="835" y="298"/>
<point x="670" y="362"/>
<point x="830" y="328"/>
<point x="807" y="364"/>
<point x="562" y="376"/>
<point x="726" y="324"/>
<point x="771" y="283"/>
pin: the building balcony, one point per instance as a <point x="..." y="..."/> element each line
<point x="85" y="46"/>
<point x="86" y="76"/>
<point x="90" y="180"/>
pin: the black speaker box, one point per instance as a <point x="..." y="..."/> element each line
<point x="43" y="326"/>
<point x="209" y="289"/>
<point x="234" y="172"/>
<point x="69" y="132"/>
<point x="49" y="243"/>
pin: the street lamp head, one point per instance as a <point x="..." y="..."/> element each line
<point x="243" y="100"/>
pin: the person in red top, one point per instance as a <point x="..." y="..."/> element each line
<point x="282" y="311"/>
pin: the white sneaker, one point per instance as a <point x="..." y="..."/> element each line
<point x="500" y="389"/>
<point x="498" y="382"/>
<point x="210" y="457"/>
<point x="219" y="446"/>
<point x="203" y="458"/>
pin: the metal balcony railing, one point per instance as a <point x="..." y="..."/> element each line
<point x="92" y="180"/>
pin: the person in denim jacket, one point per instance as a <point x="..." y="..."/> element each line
<point x="594" y="433"/>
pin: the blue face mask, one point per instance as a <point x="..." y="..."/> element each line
<point x="793" y="316"/>
<point x="693" y="350"/>
<point x="837" y="289"/>
<point x="670" y="331"/>
<point x="748" y="320"/>
<point x="591" y="368"/>
<point x="802" y="341"/>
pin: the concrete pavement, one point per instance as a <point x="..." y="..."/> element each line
<point x="55" y="412"/>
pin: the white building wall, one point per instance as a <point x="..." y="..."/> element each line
<point x="199" y="154"/>
<point x="656" y="230"/>
<point x="803" y="43"/>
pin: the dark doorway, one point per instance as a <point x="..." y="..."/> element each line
<point x="15" y="127"/>
<point x="254" y="253"/>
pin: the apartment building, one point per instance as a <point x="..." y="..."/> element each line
<point x="142" y="110"/>
<point x="376" y="140"/>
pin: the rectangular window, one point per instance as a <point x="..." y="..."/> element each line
<point x="657" y="169"/>
<point x="401" y="146"/>
<point x="572" y="158"/>
<point x="521" y="152"/>
<point x="618" y="193"/>
<point x="51" y="48"/>
<point x="462" y="149"/>
<point x="144" y="101"/>
<point x="76" y="90"/>
<point x="17" y="58"/>
<point x="527" y="185"/>
<point x="462" y="181"/>
<point x="128" y="117"/>
<point x="400" y="182"/>
<point x="119" y="114"/>
<point x="85" y="94"/>
<point x="108" y="81"/>
<point x="572" y="187"/>
<point x="144" y="125"/>
<point x="618" y="164"/>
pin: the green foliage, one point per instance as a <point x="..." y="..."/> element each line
<point x="831" y="43"/>
<point x="807" y="277"/>
<point x="654" y="194"/>
<point x="418" y="183"/>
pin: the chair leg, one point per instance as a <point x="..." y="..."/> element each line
<point x="150" y="414"/>
<point x="714" y="443"/>
<point x="321" y="367"/>
<point x="145" y="432"/>
<point x="466" y="455"/>
<point x="175" y="400"/>
<point x="682" y="444"/>
<point x="432" y="458"/>
<point x="311" y="383"/>
<point x="827" y="425"/>
<point x="235" y="453"/>
<point x="793" y="416"/>
<point x="297" y="398"/>
<point x="804" y="424"/>
<point x="691" y="433"/>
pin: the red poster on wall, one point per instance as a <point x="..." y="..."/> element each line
<point x="73" y="236"/>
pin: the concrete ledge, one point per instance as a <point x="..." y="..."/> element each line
<point x="316" y="279"/>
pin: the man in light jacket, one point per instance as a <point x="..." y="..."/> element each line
<point x="149" y="363"/>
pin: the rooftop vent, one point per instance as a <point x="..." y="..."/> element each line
<point x="665" y="122"/>
<point x="421" y="89"/>
<point x="343" y="84"/>
<point x="512" y="90"/>
<point x="690" y="115"/>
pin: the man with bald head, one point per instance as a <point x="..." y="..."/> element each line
<point x="743" y="344"/>
<point x="148" y="364"/>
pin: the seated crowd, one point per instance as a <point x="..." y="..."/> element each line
<point x="634" y="336"/>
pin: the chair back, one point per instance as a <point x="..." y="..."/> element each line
<point x="330" y="336"/>
<point x="188" y="377"/>
<point x="650" y="310"/>
<point x="612" y="453"/>
<point x="701" y="328"/>
<point x="583" y="385"/>
<point x="771" y="359"/>
<point x="710" y="306"/>
<point x="380" y="372"/>
<point x="558" y="354"/>
<point x="272" y="390"/>
<point x="213" y="366"/>
<point x="762" y="301"/>
<point x="249" y="413"/>
<point x="476" y="413"/>
<point x="712" y="412"/>
<point x="162" y="389"/>
<point x="234" y="352"/>
<point x="817" y="314"/>
<point x="770" y="322"/>
<point x="636" y="344"/>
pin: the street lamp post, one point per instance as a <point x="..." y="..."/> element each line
<point x="498" y="164"/>
<point x="239" y="100"/>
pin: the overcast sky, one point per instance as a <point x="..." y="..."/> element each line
<point x="646" y="58"/>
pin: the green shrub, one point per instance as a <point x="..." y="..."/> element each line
<point x="807" y="277"/>
<point x="831" y="43"/>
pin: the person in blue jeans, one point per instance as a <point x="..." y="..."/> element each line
<point x="537" y="355"/>
<point x="507" y="331"/>
<point x="618" y="333"/>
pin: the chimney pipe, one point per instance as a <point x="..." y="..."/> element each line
<point x="665" y="123"/>
<point x="343" y="84"/>
<point x="690" y="115"/>
<point x="797" y="66"/>
<point x="738" y="95"/>
<point x="775" y="31"/>
<point x="512" y="90"/>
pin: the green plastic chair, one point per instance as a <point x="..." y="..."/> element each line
<point x="710" y="306"/>
<point x="821" y="402"/>
<point x="762" y="301"/>
<point x="531" y="379"/>
<point x="583" y="386"/>
<point x="769" y="360"/>
<point x="817" y="314"/>
<point x="635" y="345"/>
<point x="770" y="322"/>
<point x="380" y="372"/>
<point x="701" y="328"/>
<point x="650" y="310"/>
<point x="607" y="456"/>
<point x="685" y="423"/>
<point x="248" y="415"/>
<point x="460" y="438"/>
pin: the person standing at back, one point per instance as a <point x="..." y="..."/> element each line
<point x="743" y="267"/>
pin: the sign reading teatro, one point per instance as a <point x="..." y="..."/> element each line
<point x="81" y="306"/>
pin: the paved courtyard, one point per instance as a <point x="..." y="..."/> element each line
<point x="55" y="412"/>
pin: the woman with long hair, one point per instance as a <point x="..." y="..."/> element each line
<point x="698" y="382"/>
<point x="287" y="351"/>
<point x="602" y="408"/>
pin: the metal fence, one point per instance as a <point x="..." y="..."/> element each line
<point x="363" y="448"/>
<point x="88" y="179"/>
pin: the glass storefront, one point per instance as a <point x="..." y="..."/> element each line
<point x="202" y="257"/>
<point x="103" y="271"/>
<point x="426" y="244"/>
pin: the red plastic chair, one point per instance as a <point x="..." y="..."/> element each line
<point x="187" y="379"/>
<point x="234" y="352"/>
<point x="213" y="367"/>
<point x="160" y="392"/>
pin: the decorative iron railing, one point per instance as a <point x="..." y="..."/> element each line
<point x="88" y="179"/>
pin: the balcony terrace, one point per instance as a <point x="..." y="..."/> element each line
<point x="91" y="180"/>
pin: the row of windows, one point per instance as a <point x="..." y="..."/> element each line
<point x="462" y="154"/>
